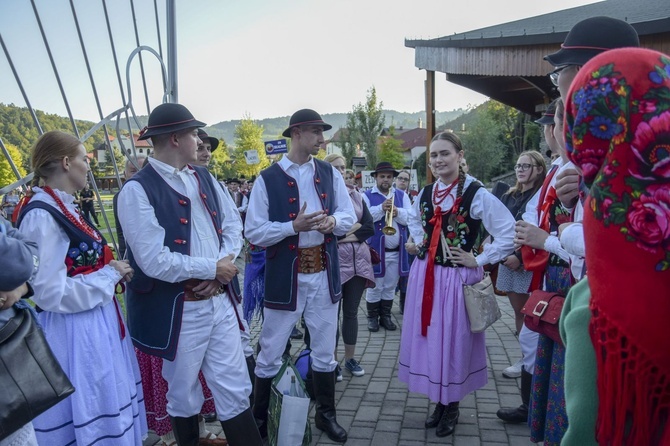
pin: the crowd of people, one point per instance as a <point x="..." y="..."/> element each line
<point x="592" y="227"/>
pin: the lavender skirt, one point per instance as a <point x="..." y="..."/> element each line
<point x="450" y="362"/>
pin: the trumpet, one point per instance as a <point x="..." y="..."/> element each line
<point x="389" y="229"/>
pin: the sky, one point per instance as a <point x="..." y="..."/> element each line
<point x="237" y="58"/>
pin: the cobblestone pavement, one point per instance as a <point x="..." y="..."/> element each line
<point x="377" y="410"/>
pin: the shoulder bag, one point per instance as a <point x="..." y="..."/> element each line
<point x="542" y="312"/>
<point x="31" y="378"/>
<point x="481" y="304"/>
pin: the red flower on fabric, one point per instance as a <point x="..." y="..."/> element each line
<point x="651" y="146"/>
<point x="451" y="235"/>
<point x="590" y="160"/>
<point x="460" y="218"/>
<point x="649" y="219"/>
<point x="605" y="206"/>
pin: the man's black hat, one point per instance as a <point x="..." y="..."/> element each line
<point x="591" y="37"/>
<point x="233" y="180"/>
<point x="548" y="115"/>
<point x="305" y="117"/>
<point x="169" y="118"/>
<point x="204" y="137"/>
<point x="384" y="166"/>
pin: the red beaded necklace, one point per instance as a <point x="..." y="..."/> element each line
<point x="440" y="195"/>
<point x="81" y="224"/>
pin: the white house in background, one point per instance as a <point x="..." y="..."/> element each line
<point x="142" y="147"/>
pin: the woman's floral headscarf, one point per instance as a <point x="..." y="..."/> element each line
<point x="618" y="133"/>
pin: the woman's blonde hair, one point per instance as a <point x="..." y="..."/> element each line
<point x="49" y="150"/>
<point x="333" y="156"/>
<point x="537" y="161"/>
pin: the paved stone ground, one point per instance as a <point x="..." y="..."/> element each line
<point x="377" y="410"/>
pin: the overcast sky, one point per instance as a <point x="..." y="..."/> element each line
<point x="262" y="58"/>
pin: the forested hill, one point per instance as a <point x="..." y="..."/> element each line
<point x="17" y="126"/>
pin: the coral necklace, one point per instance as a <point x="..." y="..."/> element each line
<point x="81" y="224"/>
<point x="440" y="195"/>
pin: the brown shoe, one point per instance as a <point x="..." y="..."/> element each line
<point x="212" y="440"/>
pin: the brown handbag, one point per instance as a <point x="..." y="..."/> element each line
<point x="542" y="312"/>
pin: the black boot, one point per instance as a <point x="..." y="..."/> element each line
<point x="186" y="430"/>
<point x="325" y="417"/>
<point x="385" y="319"/>
<point x="448" y="421"/>
<point x="519" y="414"/>
<point x="432" y="420"/>
<point x="241" y="430"/>
<point x="251" y="366"/>
<point x="373" y="315"/>
<point x="402" y="302"/>
<point x="261" y="404"/>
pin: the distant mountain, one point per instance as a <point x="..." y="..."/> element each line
<point x="273" y="127"/>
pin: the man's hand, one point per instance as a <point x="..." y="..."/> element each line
<point x="327" y="225"/>
<point x="207" y="288"/>
<point x="567" y="187"/>
<point x="412" y="248"/>
<point x="463" y="258"/>
<point x="225" y="271"/>
<point x="529" y="235"/>
<point x="308" y="222"/>
<point x="9" y="298"/>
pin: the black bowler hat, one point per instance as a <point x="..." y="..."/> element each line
<point x="305" y="117"/>
<point x="384" y="166"/>
<point x="204" y="137"/>
<point x="548" y="115"/>
<point x="591" y="37"/>
<point x="169" y="118"/>
<point x="233" y="180"/>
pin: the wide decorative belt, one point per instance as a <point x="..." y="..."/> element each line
<point x="311" y="260"/>
<point x="190" y="296"/>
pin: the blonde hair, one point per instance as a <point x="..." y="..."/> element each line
<point x="49" y="150"/>
<point x="334" y="156"/>
<point x="537" y="161"/>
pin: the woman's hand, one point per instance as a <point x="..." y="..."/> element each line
<point x="463" y="258"/>
<point x="529" y="235"/>
<point x="123" y="268"/>
<point x="412" y="248"/>
<point x="512" y="262"/>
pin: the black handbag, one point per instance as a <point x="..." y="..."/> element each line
<point x="31" y="378"/>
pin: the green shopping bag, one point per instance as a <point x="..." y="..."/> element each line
<point x="288" y="417"/>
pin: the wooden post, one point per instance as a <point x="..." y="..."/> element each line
<point x="430" y="120"/>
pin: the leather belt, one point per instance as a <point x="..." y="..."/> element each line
<point x="190" y="296"/>
<point x="311" y="260"/>
<point x="396" y="249"/>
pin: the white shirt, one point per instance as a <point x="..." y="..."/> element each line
<point x="145" y="236"/>
<point x="262" y="232"/>
<point x="54" y="290"/>
<point x="496" y="218"/>
<point x="390" y="241"/>
<point x="244" y="201"/>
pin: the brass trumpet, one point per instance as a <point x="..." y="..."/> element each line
<point x="389" y="229"/>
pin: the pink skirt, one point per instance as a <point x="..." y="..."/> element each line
<point x="155" y="391"/>
<point x="450" y="362"/>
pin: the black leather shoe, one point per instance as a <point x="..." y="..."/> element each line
<point x="385" y="319"/>
<point x="448" y="422"/>
<point x="432" y="420"/>
<point x="515" y="415"/>
<point x="325" y="417"/>
<point x="373" y="315"/>
<point x="373" y="323"/>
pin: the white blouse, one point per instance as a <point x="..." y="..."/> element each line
<point x="54" y="290"/>
<point x="496" y="218"/>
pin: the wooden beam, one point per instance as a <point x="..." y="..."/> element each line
<point x="430" y="120"/>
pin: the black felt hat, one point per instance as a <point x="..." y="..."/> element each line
<point x="384" y="166"/>
<point x="233" y="180"/>
<point x="591" y="37"/>
<point x="548" y="115"/>
<point x="169" y="118"/>
<point x="204" y="137"/>
<point x="305" y="117"/>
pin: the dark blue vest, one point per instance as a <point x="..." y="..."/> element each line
<point x="377" y="241"/>
<point x="155" y="307"/>
<point x="281" y="269"/>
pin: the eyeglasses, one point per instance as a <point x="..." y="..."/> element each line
<point x="524" y="167"/>
<point x="402" y="179"/>
<point x="554" y="74"/>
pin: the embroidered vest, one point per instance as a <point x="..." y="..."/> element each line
<point x="377" y="241"/>
<point x="460" y="230"/>
<point x="281" y="269"/>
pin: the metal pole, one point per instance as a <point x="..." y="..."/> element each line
<point x="430" y="120"/>
<point x="173" y="93"/>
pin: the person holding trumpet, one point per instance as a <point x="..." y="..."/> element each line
<point x="390" y="209"/>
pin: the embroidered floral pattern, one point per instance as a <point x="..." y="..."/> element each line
<point x="605" y="110"/>
<point x="455" y="230"/>
<point x="83" y="258"/>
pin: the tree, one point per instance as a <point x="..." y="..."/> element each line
<point x="390" y="150"/>
<point x="249" y="136"/>
<point x="221" y="165"/>
<point x="364" y="124"/>
<point x="7" y="175"/>
<point x="483" y="146"/>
